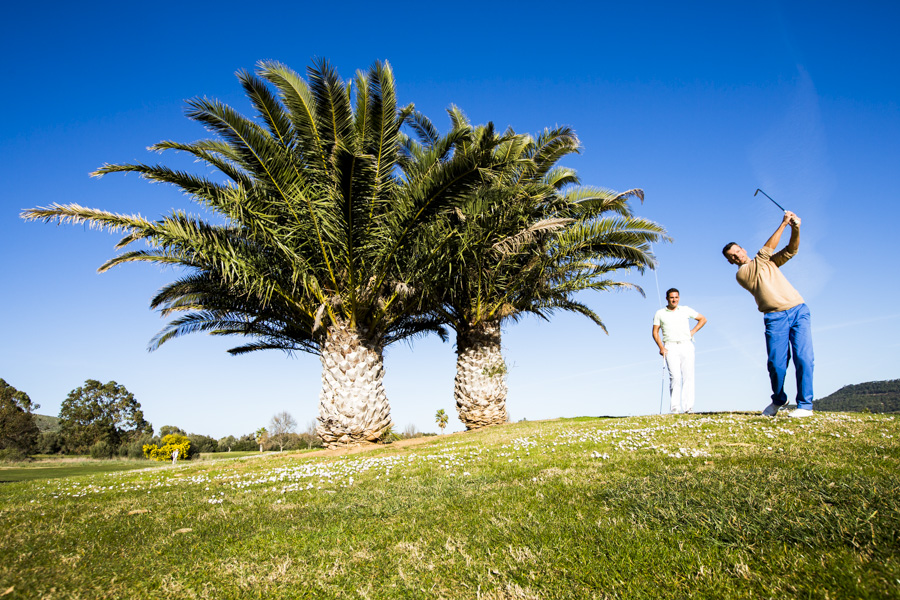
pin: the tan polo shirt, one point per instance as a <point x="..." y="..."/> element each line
<point x="770" y="288"/>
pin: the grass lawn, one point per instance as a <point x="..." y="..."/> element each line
<point x="243" y="454"/>
<point x="675" y="506"/>
<point x="235" y="454"/>
<point x="50" y="468"/>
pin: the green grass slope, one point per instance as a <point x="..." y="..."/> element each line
<point x="46" y="422"/>
<point x="675" y="506"/>
<point x="872" y="396"/>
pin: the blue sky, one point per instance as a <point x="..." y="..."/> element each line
<point x="698" y="103"/>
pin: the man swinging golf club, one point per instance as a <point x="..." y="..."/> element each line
<point x="786" y="316"/>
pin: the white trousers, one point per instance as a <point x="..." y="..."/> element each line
<point x="680" y="362"/>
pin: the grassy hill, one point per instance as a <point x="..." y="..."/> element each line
<point x="674" y="506"/>
<point x="46" y="422"/>
<point x="872" y="396"/>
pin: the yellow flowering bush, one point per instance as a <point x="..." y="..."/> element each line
<point x="171" y="443"/>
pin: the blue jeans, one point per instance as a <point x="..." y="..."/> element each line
<point x="786" y="331"/>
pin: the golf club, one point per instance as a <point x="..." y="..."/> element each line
<point x="769" y="197"/>
<point x="665" y="366"/>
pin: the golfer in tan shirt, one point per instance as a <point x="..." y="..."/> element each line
<point x="785" y="314"/>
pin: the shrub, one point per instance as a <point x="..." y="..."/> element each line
<point x="171" y="443"/>
<point x="203" y="443"/>
<point x="12" y="455"/>
<point x="246" y="443"/>
<point x="227" y="443"/>
<point x="389" y="436"/>
<point x="134" y="447"/>
<point x="102" y="449"/>
<point x="49" y="442"/>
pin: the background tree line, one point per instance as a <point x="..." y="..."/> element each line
<point x="104" y="420"/>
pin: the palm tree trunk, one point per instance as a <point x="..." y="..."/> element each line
<point x="353" y="407"/>
<point x="480" y="388"/>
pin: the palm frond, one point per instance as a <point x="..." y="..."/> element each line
<point x="219" y="155"/>
<point x="516" y="242"/>
<point x="300" y="103"/>
<point x="560" y="177"/>
<point x="269" y="108"/>
<point x="424" y="128"/>
<point x="334" y="117"/>
<point x="78" y="215"/>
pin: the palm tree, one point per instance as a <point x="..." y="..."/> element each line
<point x="321" y="249"/>
<point x="261" y="436"/>
<point x="526" y="244"/>
<point x="441" y="419"/>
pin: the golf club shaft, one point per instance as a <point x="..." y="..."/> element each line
<point x="769" y="197"/>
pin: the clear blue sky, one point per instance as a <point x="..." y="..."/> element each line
<point x="699" y="104"/>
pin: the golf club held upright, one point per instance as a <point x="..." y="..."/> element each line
<point x="769" y="197"/>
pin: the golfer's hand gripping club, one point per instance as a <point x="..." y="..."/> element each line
<point x="791" y="219"/>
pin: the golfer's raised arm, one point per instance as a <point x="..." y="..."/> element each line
<point x="794" y="244"/>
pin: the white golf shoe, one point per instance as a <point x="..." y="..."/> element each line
<point x="801" y="412"/>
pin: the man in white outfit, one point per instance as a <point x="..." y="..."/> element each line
<point x="677" y="346"/>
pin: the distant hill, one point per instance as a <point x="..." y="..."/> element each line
<point x="876" y="396"/>
<point x="46" y="423"/>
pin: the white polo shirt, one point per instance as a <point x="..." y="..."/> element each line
<point x="674" y="324"/>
